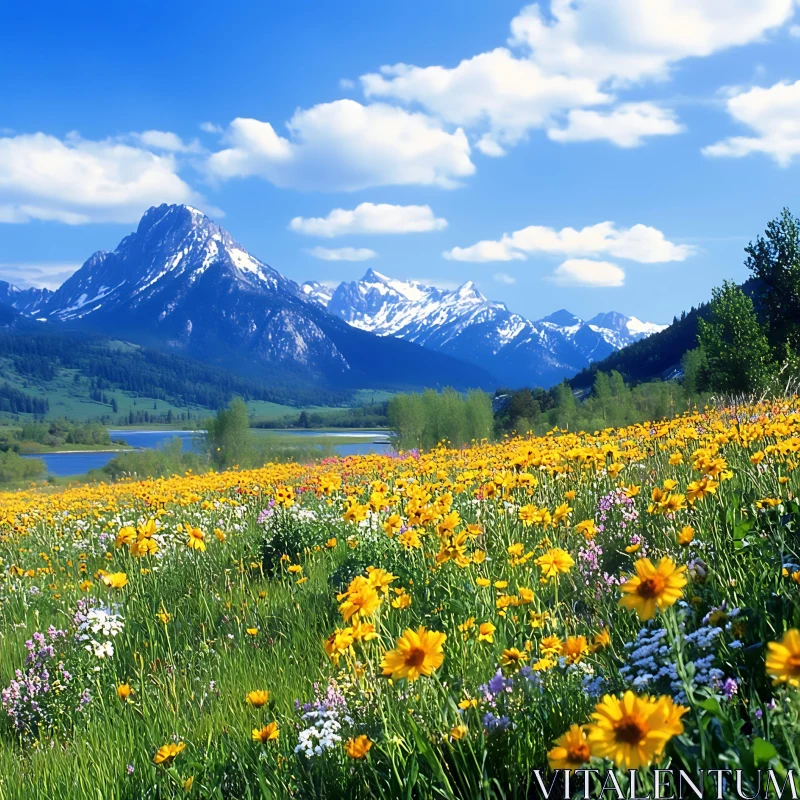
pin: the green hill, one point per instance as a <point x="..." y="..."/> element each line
<point x="84" y="376"/>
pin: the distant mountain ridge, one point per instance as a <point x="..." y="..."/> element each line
<point x="28" y="301"/>
<point x="180" y="282"/>
<point x="463" y="323"/>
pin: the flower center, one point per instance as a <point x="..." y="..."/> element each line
<point x="415" y="657"/>
<point x="651" y="587"/>
<point x="630" y="730"/>
<point x="578" y="753"/>
<point x="793" y="665"/>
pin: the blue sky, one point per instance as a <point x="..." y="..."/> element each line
<point x="442" y="141"/>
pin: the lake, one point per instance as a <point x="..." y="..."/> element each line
<point x="62" y="464"/>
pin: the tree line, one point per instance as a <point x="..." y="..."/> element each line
<point x="15" y="401"/>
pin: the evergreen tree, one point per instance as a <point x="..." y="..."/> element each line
<point x="737" y="351"/>
<point x="774" y="260"/>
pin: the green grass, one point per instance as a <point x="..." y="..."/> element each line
<point x="37" y="448"/>
<point x="262" y="410"/>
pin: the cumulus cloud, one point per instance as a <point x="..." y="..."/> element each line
<point x="622" y="41"/>
<point x="371" y="218"/>
<point x="625" y="126"/>
<point x="772" y="115"/>
<point x="342" y="253"/>
<point x="166" y="140"/>
<point x="560" y="66"/>
<point x="504" y="277"/>
<point x="210" y="127"/>
<point x="640" y="243"/>
<point x="79" y="181"/>
<point x="345" y="146"/>
<point x="585" y="272"/>
<point x="508" y="94"/>
<point x="483" y="251"/>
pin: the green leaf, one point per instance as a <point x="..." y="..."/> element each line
<point x="740" y="530"/>
<point x="763" y="751"/>
<point x="711" y="704"/>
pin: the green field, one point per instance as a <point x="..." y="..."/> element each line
<point x="68" y="396"/>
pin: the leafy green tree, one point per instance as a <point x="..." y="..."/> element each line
<point x="737" y="351"/>
<point x="406" y="415"/>
<point x="695" y="371"/>
<point x="228" y="435"/>
<point x="478" y="415"/>
<point x="566" y="407"/>
<point x="774" y="260"/>
<point x="424" y="420"/>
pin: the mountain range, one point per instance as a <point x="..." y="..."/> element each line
<point x="181" y="283"/>
<point x="463" y="323"/>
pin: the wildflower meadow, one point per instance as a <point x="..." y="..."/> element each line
<point x="439" y="624"/>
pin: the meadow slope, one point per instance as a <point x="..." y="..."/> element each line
<point x="430" y="625"/>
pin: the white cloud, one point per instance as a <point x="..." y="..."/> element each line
<point x="510" y="95"/>
<point x="210" y="127"/>
<point x="624" y="41"/>
<point x="571" y="58"/>
<point x="347" y="84"/>
<point x="78" y="181"/>
<point x="166" y="140"/>
<point x="483" y="251"/>
<point x="585" y="272"/>
<point x="345" y="146"/>
<point x="773" y="115"/>
<point x="489" y="147"/>
<point x="795" y="31"/>
<point x="371" y="218"/>
<point x="639" y="243"/>
<point x="49" y="274"/>
<point x="342" y="253"/>
<point x="504" y="277"/>
<point x="625" y="126"/>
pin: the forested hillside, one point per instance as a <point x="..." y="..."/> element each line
<point x="37" y="367"/>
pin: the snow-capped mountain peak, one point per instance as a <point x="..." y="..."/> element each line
<point x="28" y="301"/>
<point x="619" y="330"/>
<point x="173" y="246"/>
<point x="637" y="327"/>
<point x="464" y="323"/>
